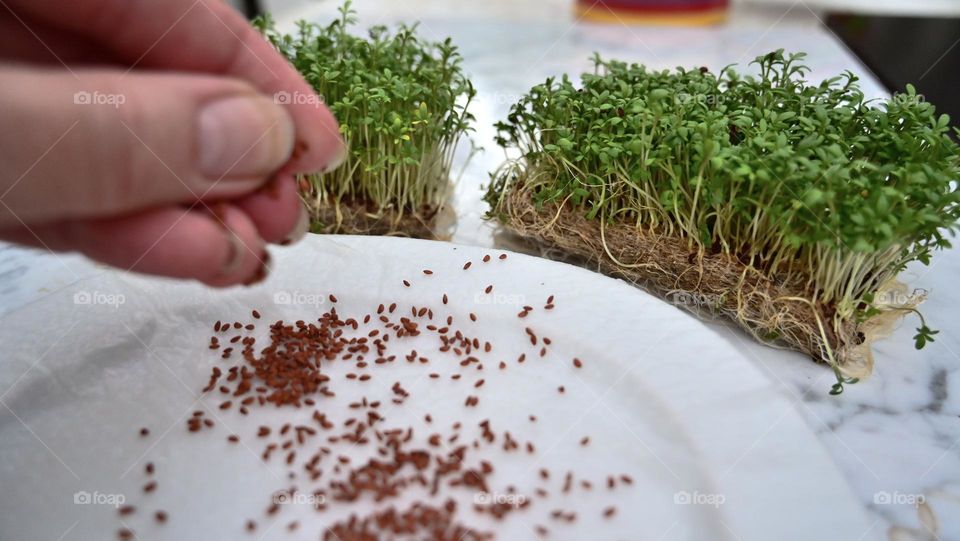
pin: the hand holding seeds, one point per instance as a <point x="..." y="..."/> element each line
<point x="154" y="136"/>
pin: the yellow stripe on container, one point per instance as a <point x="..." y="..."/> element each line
<point x="608" y="15"/>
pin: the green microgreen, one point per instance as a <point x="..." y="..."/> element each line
<point x="803" y="181"/>
<point x="837" y="388"/>
<point x="401" y="102"/>
<point x="924" y="333"/>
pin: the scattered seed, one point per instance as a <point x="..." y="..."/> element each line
<point x="294" y="370"/>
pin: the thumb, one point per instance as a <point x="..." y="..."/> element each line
<point x="99" y="143"/>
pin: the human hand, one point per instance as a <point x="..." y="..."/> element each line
<point x="146" y="135"/>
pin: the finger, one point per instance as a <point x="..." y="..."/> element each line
<point x="277" y="211"/>
<point x="218" y="250"/>
<point x="27" y="41"/>
<point x="204" y="36"/>
<point x="100" y="145"/>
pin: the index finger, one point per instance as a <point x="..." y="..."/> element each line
<point x="204" y="36"/>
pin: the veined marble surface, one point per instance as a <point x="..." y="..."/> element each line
<point x="896" y="436"/>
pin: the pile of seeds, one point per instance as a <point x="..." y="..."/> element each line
<point x="405" y="486"/>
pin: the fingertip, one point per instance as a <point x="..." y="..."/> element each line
<point x="243" y="136"/>
<point x="319" y="146"/>
<point x="277" y="211"/>
<point x="219" y="248"/>
<point x="244" y="258"/>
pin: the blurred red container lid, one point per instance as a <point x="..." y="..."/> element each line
<point x="683" y="12"/>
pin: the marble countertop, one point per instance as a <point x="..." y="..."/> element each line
<point x="895" y="436"/>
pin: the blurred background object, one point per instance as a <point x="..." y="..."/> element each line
<point x="693" y="12"/>
<point x="936" y="8"/>
<point x="928" y="8"/>
<point x="252" y="8"/>
<point x="923" y="51"/>
<point x="900" y="41"/>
